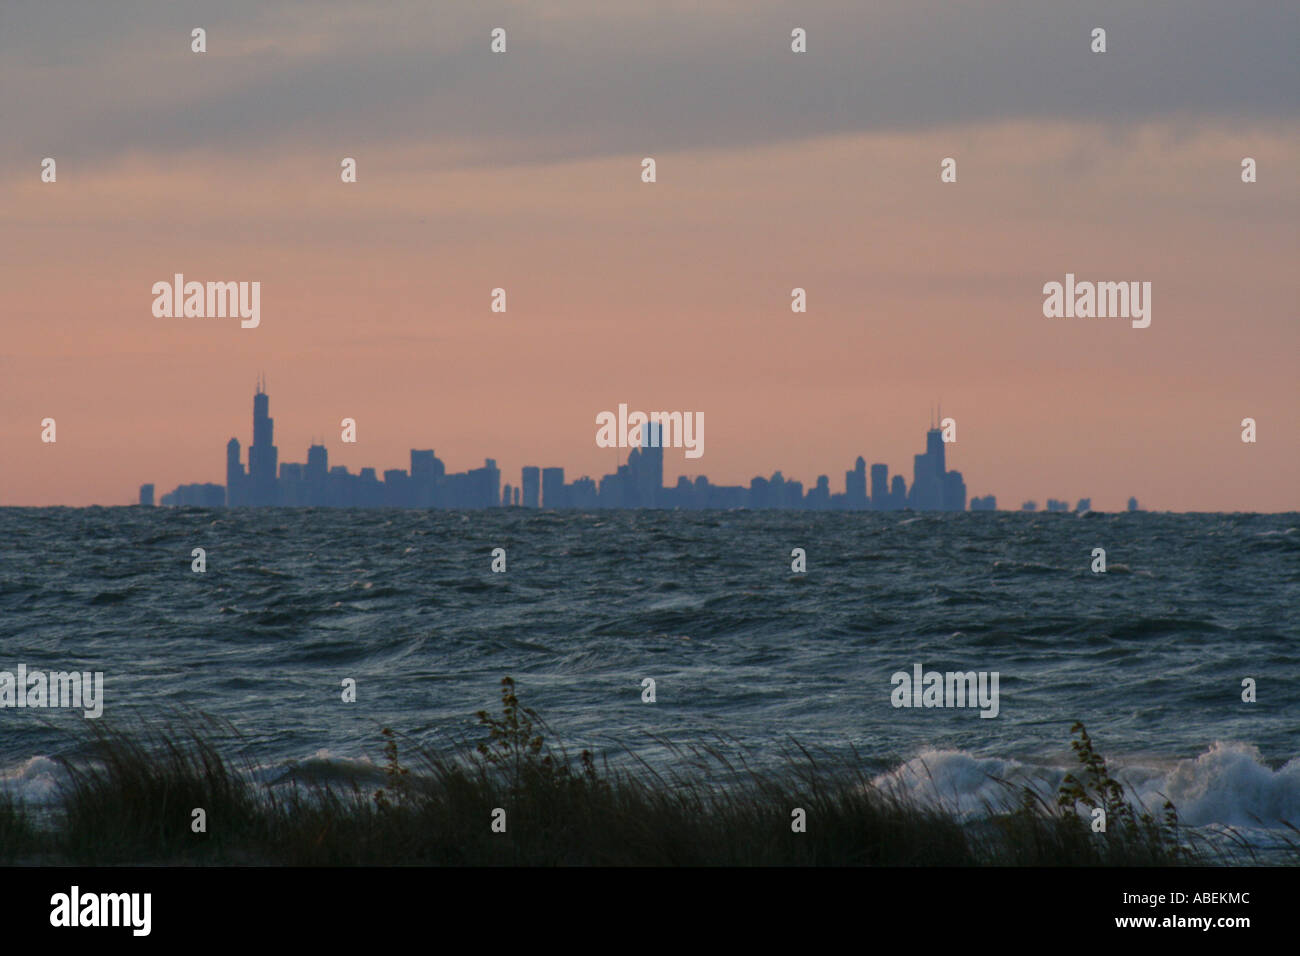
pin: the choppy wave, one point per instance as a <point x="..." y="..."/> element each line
<point x="1228" y="784"/>
<point x="405" y="603"/>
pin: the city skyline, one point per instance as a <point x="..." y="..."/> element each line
<point x="259" y="479"/>
<point x="776" y="170"/>
<point x="810" y="492"/>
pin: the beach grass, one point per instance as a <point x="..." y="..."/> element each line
<point x="517" y="799"/>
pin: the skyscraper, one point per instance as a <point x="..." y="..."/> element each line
<point x="897" y="493"/>
<point x="553" y="495"/>
<point x="316" y="474"/>
<point x="484" y="486"/>
<point x="649" y="478"/>
<point x="927" y="474"/>
<point x="934" y="488"/>
<point x="234" y="475"/>
<point x="427" y="471"/>
<point x="263" y="467"/>
<point x="532" y="486"/>
<point x="880" y="488"/>
<point x="855" y="485"/>
<point x="819" y="496"/>
<point x="954" y="492"/>
<point x="934" y="448"/>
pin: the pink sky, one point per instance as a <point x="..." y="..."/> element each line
<point x="776" y="170"/>
<point x="375" y="306"/>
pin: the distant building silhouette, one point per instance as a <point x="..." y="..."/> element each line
<point x="855" y="486"/>
<point x="934" y="488"/>
<point x="263" y="466"/>
<point x="639" y="483"/>
<point x="235" y="492"/>
<point x="819" y="496"/>
<point x="146" y="496"/>
<point x="532" y="485"/>
<point x="649" y="479"/>
<point x="198" y="496"/>
<point x="553" y="493"/>
<point x="880" y="500"/>
<point x="897" y="493"/>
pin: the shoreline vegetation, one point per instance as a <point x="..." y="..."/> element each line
<point x="131" y="800"/>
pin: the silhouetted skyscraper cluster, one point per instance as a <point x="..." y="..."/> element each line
<point x="637" y="484"/>
<point x="933" y="487"/>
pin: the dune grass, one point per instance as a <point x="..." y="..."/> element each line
<point x="18" y="837"/>
<point x="133" y="801"/>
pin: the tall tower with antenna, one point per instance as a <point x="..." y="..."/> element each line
<point x="263" y="458"/>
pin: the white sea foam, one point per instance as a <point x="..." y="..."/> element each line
<point x="1227" y="785"/>
<point x="33" y="782"/>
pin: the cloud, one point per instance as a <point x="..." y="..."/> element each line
<point x="585" y="79"/>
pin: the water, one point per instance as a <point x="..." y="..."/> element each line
<point x="1150" y="655"/>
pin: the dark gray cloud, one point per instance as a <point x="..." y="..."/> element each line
<point x="94" y="80"/>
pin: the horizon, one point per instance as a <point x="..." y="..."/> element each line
<point x="635" y="439"/>
<point x="807" y="481"/>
